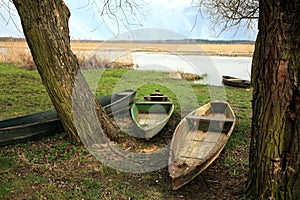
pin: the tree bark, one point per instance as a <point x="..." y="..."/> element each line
<point x="275" y="134"/>
<point x="45" y="25"/>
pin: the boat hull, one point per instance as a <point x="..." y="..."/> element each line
<point x="151" y="117"/>
<point x="117" y="102"/>
<point x="198" y="140"/>
<point x="29" y="127"/>
<point x="235" y="82"/>
<point x="35" y="126"/>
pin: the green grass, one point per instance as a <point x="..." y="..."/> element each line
<point x="56" y="168"/>
<point x="21" y="92"/>
<point x="181" y="92"/>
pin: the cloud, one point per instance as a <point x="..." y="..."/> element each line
<point x="176" y="16"/>
<point x="170" y="15"/>
<point x="172" y="4"/>
<point x="157" y="14"/>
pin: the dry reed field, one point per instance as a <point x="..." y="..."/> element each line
<point x="131" y="46"/>
<point x="193" y="49"/>
<point x="18" y="52"/>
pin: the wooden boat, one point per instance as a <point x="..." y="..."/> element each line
<point x="198" y="140"/>
<point x="152" y="114"/>
<point x="38" y="125"/>
<point x="156" y="96"/>
<point x="235" y="82"/>
<point x="117" y="102"/>
<point x="29" y="127"/>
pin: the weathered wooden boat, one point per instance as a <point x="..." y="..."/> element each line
<point x="117" y="102"/>
<point x="38" y="125"/>
<point x="198" y="140"/>
<point x="29" y="127"/>
<point x="235" y="82"/>
<point x="151" y="114"/>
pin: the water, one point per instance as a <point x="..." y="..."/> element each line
<point x="213" y="66"/>
<point x="2" y="50"/>
<point x="216" y="66"/>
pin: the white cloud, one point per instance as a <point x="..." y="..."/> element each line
<point x="172" y="4"/>
<point x="173" y="15"/>
<point x="170" y="15"/>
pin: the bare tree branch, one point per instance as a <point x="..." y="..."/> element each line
<point x="124" y="13"/>
<point x="229" y="14"/>
<point x="8" y="13"/>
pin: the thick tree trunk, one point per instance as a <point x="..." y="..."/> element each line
<point x="275" y="143"/>
<point x="45" y="25"/>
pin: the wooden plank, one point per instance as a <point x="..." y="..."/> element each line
<point x="189" y="157"/>
<point x="209" y="118"/>
<point x="205" y="141"/>
<point x="150" y="119"/>
<point x="217" y="124"/>
<point x="153" y="102"/>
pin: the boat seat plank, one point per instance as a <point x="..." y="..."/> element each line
<point x="156" y="98"/>
<point x="124" y="93"/>
<point x="217" y="124"/>
<point x="205" y="141"/>
<point x="189" y="157"/>
<point x="151" y="102"/>
<point x="207" y="118"/>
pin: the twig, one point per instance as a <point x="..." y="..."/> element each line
<point x="232" y="166"/>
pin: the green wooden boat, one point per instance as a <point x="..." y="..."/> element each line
<point x="152" y="114"/>
<point x="198" y="140"/>
<point x="38" y="125"/>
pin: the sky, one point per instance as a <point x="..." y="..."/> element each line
<point x="155" y="19"/>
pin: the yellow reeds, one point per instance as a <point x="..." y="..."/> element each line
<point x="18" y="52"/>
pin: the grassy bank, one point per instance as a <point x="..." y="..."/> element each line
<point x="55" y="168"/>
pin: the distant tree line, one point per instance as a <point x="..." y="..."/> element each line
<point x="184" y="41"/>
<point x="12" y="39"/>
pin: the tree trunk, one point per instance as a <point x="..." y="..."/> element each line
<point x="275" y="135"/>
<point x="45" y="25"/>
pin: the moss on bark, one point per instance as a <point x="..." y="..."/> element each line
<point x="45" y="25"/>
<point x="275" y="153"/>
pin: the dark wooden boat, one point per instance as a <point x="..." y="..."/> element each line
<point x="38" y="125"/>
<point x="29" y="127"/>
<point x="156" y="96"/>
<point x="117" y="102"/>
<point x="198" y="140"/>
<point x="235" y="82"/>
<point x="152" y="114"/>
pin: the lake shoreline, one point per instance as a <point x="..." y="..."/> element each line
<point x="232" y="50"/>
